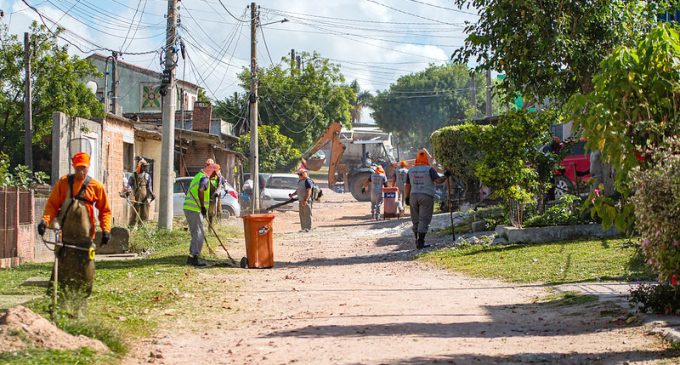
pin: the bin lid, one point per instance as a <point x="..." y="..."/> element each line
<point x="259" y="217"/>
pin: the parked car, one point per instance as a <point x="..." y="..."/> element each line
<point x="228" y="198"/>
<point x="278" y="187"/>
<point x="574" y="170"/>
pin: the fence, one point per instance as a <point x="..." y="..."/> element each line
<point x="17" y="243"/>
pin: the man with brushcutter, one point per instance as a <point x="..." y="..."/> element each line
<point x="419" y="194"/>
<point x="70" y="208"/>
<point x="196" y="204"/>
<point x="141" y="190"/>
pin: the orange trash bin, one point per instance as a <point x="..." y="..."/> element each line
<point x="258" y="229"/>
<point x="390" y="203"/>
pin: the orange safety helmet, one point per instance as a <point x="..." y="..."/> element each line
<point x="422" y="158"/>
<point x="379" y="170"/>
<point x="80" y="159"/>
<point x="403" y="164"/>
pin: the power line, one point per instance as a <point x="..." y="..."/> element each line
<point x="131" y="23"/>
<point x="289" y="13"/>
<point x="442" y="7"/>
<point x="408" y="13"/>
<point x="264" y="40"/>
<point x="229" y="12"/>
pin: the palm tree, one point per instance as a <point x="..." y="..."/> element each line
<point x="363" y="98"/>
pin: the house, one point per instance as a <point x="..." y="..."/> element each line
<point x="138" y="87"/>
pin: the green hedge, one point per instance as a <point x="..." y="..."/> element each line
<point x="456" y="148"/>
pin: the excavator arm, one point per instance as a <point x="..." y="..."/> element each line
<point x="337" y="149"/>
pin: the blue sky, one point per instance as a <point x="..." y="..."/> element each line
<point x="374" y="41"/>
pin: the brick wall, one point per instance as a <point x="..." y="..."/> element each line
<point x="202" y="117"/>
<point x="115" y="134"/>
<point x="197" y="153"/>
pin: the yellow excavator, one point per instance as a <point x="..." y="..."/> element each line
<point x="351" y="155"/>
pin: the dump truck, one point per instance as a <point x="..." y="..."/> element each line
<point x="350" y="155"/>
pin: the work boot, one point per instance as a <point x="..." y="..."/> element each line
<point x="420" y="243"/>
<point x="195" y="261"/>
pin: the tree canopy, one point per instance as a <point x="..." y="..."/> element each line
<point x="277" y="152"/>
<point x="550" y="49"/>
<point x="303" y="102"/>
<point x="57" y="86"/>
<point x="420" y="103"/>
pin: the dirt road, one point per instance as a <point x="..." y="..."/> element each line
<point x="349" y="293"/>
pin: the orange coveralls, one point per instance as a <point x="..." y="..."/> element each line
<point x="94" y="192"/>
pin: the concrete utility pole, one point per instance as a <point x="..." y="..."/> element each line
<point x="114" y="82"/>
<point x="489" y="101"/>
<point x="254" y="149"/>
<point x="168" y="102"/>
<point x="292" y="61"/>
<point x="28" y="106"/>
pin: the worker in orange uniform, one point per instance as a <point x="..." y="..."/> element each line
<point x="70" y="207"/>
<point x="419" y="194"/>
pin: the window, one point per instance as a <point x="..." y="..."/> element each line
<point x="128" y="157"/>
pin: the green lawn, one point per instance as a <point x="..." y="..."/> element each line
<point x="565" y="262"/>
<point x="128" y="297"/>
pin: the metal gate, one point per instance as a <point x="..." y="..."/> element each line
<point x="16" y="226"/>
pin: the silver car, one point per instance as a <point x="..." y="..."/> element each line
<point x="228" y="198"/>
<point x="278" y="187"/>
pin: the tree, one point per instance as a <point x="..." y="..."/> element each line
<point x="303" y="103"/>
<point x="276" y="150"/>
<point x="57" y="86"/>
<point x="420" y="103"/>
<point x="362" y="98"/>
<point x="631" y="112"/>
<point x="235" y="111"/>
<point x="550" y="49"/>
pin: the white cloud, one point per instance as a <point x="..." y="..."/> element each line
<point x="364" y="47"/>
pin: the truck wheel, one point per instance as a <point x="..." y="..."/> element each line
<point x="562" y="187"/>
<point x="355" y="184"/>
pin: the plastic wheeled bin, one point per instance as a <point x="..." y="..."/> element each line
<point x="258" y="229"/>
<point x="390" y="202"/>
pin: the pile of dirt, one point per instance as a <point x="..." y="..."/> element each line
<point x="21" y="328"/>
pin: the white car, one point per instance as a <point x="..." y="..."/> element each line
<point x="277" y="189"/>
<point x="229" y="198"/>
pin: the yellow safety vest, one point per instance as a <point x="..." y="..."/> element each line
<point x="191" y="199"/>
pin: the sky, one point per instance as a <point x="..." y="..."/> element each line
<point x="374" y="41"/>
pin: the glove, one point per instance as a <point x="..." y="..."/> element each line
<point x="106" y="236"/>
<point x="407" y="201"/>
<point x="447" y="173"/>
<point x="363" y="190"/>
<point x="290" y="196"/>
<point x="153" y="197"/>
<point x="42" y="226"/>
<point x="204" y="211"/>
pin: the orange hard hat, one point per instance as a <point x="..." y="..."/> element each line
<point x="403" y="164"/>
<point x="80" y="159"/>
<point x="422" y="158"/>
<point x="379" y="170"/>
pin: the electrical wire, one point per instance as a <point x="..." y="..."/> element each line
<point x="229" y="12"/>
<point x="264" y="40"/>
<point x="442" y="7"/>
<point x="407" y="13"/>
<point x="133" y="20"/>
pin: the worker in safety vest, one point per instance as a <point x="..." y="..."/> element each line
<point x="304" y="194"/>
<point x="419" y="194"/>
<point x="141" y="189"/>
<point x="70" y="208"/>
<point x="377" y="180"/>
<point x="399" y="181"/>
<point x="196" y="204"/>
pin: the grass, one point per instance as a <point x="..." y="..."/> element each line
<point x="557" y="263"/>
<point x="567" y="298"/>
<point x="128" y="298"/>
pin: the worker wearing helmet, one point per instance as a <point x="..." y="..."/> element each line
<point x="71" y="208"/>
<point x="399" y="181"/>
<point x="141" y="189"/>
<point x="304" y="194"/>
<point x="196" y="204"/>
<point x="419" y="194"/>
<point x="376" y="181"/>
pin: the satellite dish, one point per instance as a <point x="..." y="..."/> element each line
<point x="92" y="86"/>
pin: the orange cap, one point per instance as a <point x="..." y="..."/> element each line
<point x="403" y="164"/>
<point x="208" y="170"/>
<point x="422" y="158"/>
<point x="209" y="161"/>
<point x="379" y="170"/>
<point x="80" y="159"/>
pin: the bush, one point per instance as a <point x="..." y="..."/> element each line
<point x="663" y="298"/>
<point x="566" y="212"/>
<point x="657" y="208"/>
<point x="22" y="177"/>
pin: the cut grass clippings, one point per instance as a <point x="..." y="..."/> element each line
<point x="566" y="299"/>
<point x="128" y="297"/>
<point x="556" y="263"/>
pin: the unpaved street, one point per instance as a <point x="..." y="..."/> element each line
<point x="349" y="293"/>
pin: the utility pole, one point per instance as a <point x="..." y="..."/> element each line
<point x="114" y="82"/>
<point x="292" y="61"/>
<point x="489" y="101"/>
<point x="254" y="149"/>
<point x="168" y="102"/>
<point x="28" y="106"/>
